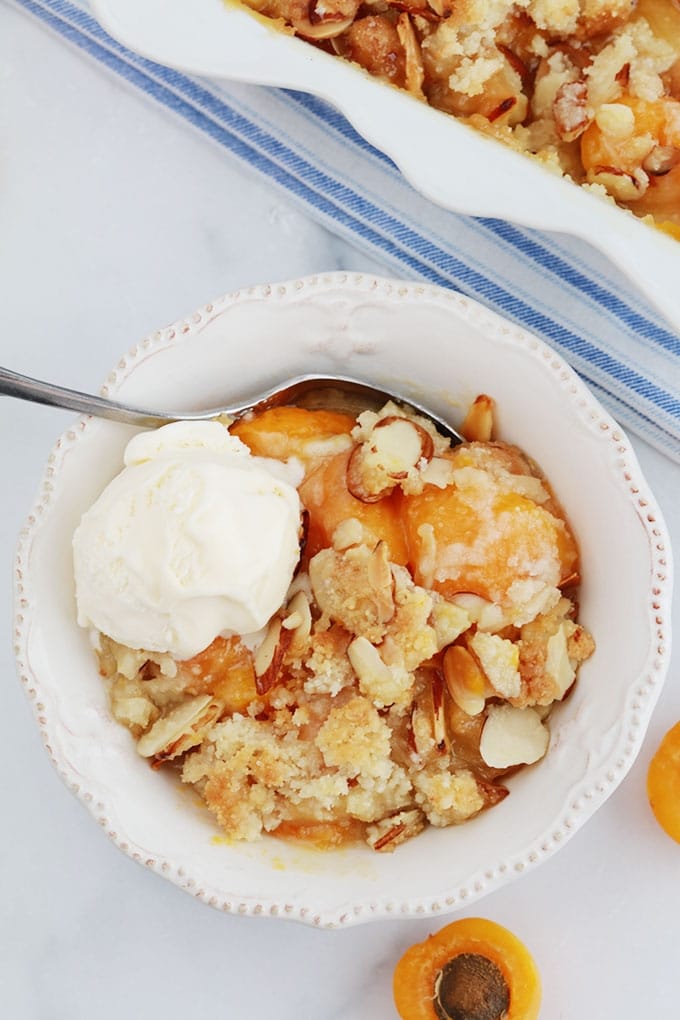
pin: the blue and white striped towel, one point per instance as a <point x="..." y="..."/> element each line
<point x="622" y="348"/>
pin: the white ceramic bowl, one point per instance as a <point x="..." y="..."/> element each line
<point x="445" y="160"/>
<point x="443" y="348"/>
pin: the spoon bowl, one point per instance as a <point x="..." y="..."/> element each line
<point x="339" y="392"/>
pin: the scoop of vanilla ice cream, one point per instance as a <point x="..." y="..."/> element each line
<point x="194" y="538"/>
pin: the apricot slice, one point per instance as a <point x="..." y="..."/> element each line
<point x="225" y="670"/>
<point x="663" y="783"/>
<point x="329" y="835"/>
<point x="284" y="432"/>
<point x="325" y="495"/>
<point x="473" y="969"/>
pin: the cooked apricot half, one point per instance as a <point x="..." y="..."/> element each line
<point x="284" y="432"/>
<point x="225" y="670"/>
<point x="473" y="969"/>
<point x="663" y="783"/>
<point x="325" y="495"/>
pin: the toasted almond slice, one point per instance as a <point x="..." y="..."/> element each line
<point x="367" y="664"/>
<point x="415" y="72"/>
<point x="421" y="736"/>
<point x="389" y="833"/>
<point x="571" y="112"/>
<point x="269" y="655"/>
<point x="512" y="736"/>
<point x="478" y="424"/>
<point x="465" y="681"/>
<point x="358" y="480"/>
<point x="178" y="730"/>
<point x="401" y="444"/>
<point x="441" y="7"/>
<point x="661" y="160"/>
<point x="623" y="186"/>
<point x="381" y="582"/>
<point x="265" y="653"/>
<point x="300" y="612"/>
<point x="326" y="28"/>
<point x="393" y="446"/>
<point x="441" y="739"/>
<point x="557" y="663"/>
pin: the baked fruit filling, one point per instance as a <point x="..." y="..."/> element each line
<point x="591" y="88"/>
<point x="429" y="629"/>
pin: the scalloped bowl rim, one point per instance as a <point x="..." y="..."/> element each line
<point x="222" y="40"/>
<point x="586" y="793"/>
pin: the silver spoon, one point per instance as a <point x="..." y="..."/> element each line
<point x="341" y="393"/>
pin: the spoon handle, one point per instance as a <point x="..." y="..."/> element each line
<point x="12" y="384"/>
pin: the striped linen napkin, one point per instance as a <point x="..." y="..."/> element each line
<point x="557" y="287"/>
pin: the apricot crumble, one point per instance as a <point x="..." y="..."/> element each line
<point x="429" y="628"/>
<point x="590" y="88"/>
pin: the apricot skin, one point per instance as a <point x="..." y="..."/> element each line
<point x="663" y="783"/>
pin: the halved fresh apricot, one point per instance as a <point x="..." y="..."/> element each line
<point x="284" y="432"/>
<point x="325" y="495"/>
<point x="663" y="783"/>
<point x="225" y="670"/>
<point x="473" y="969"/>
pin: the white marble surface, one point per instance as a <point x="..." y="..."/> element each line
<point x="114" y="220"/>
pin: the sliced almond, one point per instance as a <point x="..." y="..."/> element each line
<point x="269" y="656"/>
<point x="438" y="714"/>
<point x="624" y="187"/>
<point x="393" y="447"/>
<point x="327" y="27"/>
<point x="389" y="833"/>
<point x="381" y="582"/>
<point x="557" y="664"/>
<point x="401" y="444"/>
<point x="369" y="667"/>
<point x="465" y="681"/>
<point x="357" y="478"/>
<point x="415" y="72"/>
<point x="571" y="111"/>
<point x="421" y="735"/>
<point x="478" y="424"/>
<point x="427" y="560"/>
<point x="180" y="729"/>
<point x="502" y="110"/>
<point x="299" y="622"/>
<point x="661" y="160"/>
<point x="441" y="7"/>
<point x="512" y="736"/>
